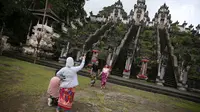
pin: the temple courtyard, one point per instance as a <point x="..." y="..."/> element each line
<point x="23" y="89"/>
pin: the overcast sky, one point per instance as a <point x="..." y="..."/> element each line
<point x="188" y="10"/>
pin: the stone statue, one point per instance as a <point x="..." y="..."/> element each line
<point x="161" y="70"/>
<point x="3" y="43"/>
<point x="41" y="38"/>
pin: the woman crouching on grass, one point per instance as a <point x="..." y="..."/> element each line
<point x="104" y="76"/>
<point x="68" y="84"/>
<point x="53" y="90"/>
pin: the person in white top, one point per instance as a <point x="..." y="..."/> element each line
<point x="68" y="84"/>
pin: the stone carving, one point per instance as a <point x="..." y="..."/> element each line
<point x="161" y="69"/>
<point x="42" y="38"/>
<point x="139" y="12"/>
<point x="162" y="18"/>
<point x="131" y="54"/>
<point x="3" y="44"/>
<point x="143" y="70"/>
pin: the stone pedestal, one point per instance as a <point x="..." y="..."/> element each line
<point x="108" y="61"/>
<point x="182" y="85"/>
<point x="161" y="73"/>
<point x="143" y="71"/>
<point x="127" y="72"/>
<point x="160" y="82"/>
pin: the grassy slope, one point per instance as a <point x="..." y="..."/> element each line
<point x="22" y="77"/>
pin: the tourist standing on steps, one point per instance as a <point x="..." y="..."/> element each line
<point x="104" y="76"/>
<point x="94" y="72"/>
<point x="68" y="84"/>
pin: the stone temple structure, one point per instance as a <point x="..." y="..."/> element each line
<point x="35" y="40"/>
<point x="149" y="58"/>
<point x="115" y="15"/>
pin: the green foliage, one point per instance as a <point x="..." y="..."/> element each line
<point x="194" y="72"/>
<point x="21" y="79"/>
<point x="103" y="54"/>
<point x="114" y="38"/>
<point x="76" y="37"/>
<point x="16" y="17"/>
<point x="175" y="28"/>
<point x="108" y="10"/>
<point x="146" y="43"/>
<point x="68" y="9"/>
<point x="186" y="49"/>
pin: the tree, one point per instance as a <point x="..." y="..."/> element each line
<point x="18" y="10"/>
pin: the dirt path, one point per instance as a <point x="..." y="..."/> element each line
<point x="109" y="100"/>
<point x="23" y="89"/>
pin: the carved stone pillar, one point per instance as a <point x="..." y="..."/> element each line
<point x="127" y="72"/>
<point x="3" y="41"/>
<point x="109" y="58"/>
<point x="64" y="53"/>
<point x="143" y="71"/>
<point x="182" y="85"/>
<point x="161" y="72"/>
<point x="78" y="55"/>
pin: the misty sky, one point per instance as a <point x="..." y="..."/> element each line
<point x="188" y="10"/>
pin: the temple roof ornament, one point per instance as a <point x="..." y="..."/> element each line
<point x="131" y="12"/>
<point x="119" y="4"/>
<point x="198" y="27"/>
<point x="140" y="6"/>
<point x="163" y="9"/>
<point x="169" y="17"/>
<point x="164" y="6"/>
<point x="91" y="13"/>
<point x="148" y="19"/>
<point x="170" y="21"/>
<point x="176" y="22"/>
<point x="156" y="15"/>
<point x="191" y="26"/>
<point x="184" y="24"/>
<point x="146" y="14"/>
<point x="141" y="1"/>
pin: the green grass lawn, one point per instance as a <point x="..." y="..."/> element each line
<point x="23" y="87"/>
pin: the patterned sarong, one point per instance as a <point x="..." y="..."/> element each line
<point x="66" y="98"/>
<point x="93" y="78"/>
<point x="104" y="77"/>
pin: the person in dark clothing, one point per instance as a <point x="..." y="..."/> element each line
<point x="94" y="73"/>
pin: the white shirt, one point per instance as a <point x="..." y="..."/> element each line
<point x="70" y="75"/>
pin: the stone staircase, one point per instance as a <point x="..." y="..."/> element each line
<point x="169" y="77"/>
<point x="116" y="72"/>
<point x="170" y="81"/>
<point x="97" y="35"/>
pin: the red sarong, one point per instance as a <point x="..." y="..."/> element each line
<point x="66" y="98"/>
<point x="104" y="77"/>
